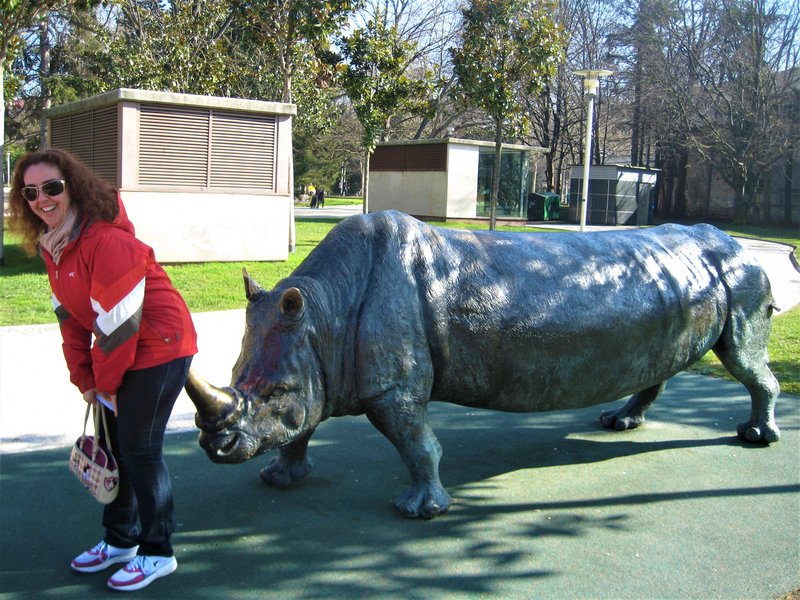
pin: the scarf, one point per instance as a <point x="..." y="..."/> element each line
<point x="55" y="240"/>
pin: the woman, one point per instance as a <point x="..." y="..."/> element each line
<point x="107" y="283"/>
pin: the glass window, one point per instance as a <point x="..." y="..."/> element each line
<point x="515" y="182"/>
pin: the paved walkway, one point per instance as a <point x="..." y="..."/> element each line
<point x="547" y="505"/>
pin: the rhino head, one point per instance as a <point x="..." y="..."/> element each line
<point x="276" y="392"/>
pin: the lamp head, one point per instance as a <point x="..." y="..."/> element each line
<point x="591" y="79"/>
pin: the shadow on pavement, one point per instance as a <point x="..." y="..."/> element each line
<point x="546" y="505"/>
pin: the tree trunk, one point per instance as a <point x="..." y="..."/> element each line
<point x="681" y="168"/>
<point x="498" y="146"/>
<point x="636" y="119"/>
<point x="2" y="159"/>
<point x="44" y="73"/>
<point x="739" y="211"/>
<point x="787" y="187"/>
<point x="553" y="179"/>
<point x="666" y="199"/>
<point x="749" y="190"/>
<point x="709" y="181"/>
<point x="665" y="190"/>
<point x="365" y="181"/>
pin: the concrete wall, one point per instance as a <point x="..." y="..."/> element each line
<point x="421" y="193"/>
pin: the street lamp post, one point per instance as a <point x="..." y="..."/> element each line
<point x="591" y="81"/>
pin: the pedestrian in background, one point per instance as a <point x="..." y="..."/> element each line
<point x="106" y="283"/>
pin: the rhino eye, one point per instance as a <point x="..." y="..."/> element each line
<point x="277" y="393"/>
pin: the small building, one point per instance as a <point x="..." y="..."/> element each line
<point x="450" y="178"/>
<point x="202" y="178"/>
<point x="618" y="195"/>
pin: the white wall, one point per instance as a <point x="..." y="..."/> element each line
<point x="200" y="227"/>
<point x="462" y="181"/>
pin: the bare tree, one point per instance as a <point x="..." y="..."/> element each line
<point x="738" y="67"/>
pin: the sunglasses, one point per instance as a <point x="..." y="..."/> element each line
<point x="53" y="187"/>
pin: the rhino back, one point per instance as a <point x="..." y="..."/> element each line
<point x="524" y="322"/>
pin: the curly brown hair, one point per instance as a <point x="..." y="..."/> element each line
<point x="94" y="199"/>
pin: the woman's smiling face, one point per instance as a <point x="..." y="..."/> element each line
<point x="52" y="210"/>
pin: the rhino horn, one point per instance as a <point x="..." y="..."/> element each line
<point x="251" y="287"/>
<point x="212" y="403"/>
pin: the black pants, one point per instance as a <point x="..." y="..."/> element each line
<point x="144" y="403"/>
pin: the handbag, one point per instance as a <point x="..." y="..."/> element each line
<point x="92" y="462"/>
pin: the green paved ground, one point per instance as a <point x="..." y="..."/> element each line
<point x="547" y="506"/>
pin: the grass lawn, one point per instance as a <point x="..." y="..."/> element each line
<point x="25" y="293"/>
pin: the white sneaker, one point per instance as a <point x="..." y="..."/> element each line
<point x="101" y="556"/>
<point x="141" y="572"/>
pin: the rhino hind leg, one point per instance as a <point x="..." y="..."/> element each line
<point x="412" y="436"/>
<point x="292" y="464"/>
<point x="742" y="350"/>
<point x="631" y="415"/>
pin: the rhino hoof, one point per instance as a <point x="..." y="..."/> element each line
<point x="278" y="473"/>
<point x="426" y="501"/>
<point x="758" y="432"/>
<point x="619" y="420"/>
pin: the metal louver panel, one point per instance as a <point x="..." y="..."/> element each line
<point x="173" y="146"/>
<point x="388" y="158"/>
<point x="105" y="147"/>
<point x="243" y="151"/>
<point x="426" y="157"/>
<point x="91" y="137"/>
<point x="81" y="138"/>
<point x="412" y="157"/>
<point x="60" y="133"/>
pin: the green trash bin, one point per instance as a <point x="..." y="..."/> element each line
<point x="544" y="206"/>
<point x="552" y="206"/>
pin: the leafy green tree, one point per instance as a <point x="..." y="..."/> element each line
<point x="181" y="46"/>
<point x="509" y="49"/>
<point x="297" y="32"/>
<point x="16" y="16"/>
<point x="376" y="73"/>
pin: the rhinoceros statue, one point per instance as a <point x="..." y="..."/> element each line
<point x="388" y="314"/>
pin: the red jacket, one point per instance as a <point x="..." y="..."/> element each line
<point x="108" y="283"/>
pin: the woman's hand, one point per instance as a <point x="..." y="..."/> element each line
<point x="109" y="400"/>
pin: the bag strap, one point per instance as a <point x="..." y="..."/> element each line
<point x="86" y="417"/>
<point x="99" y="415"/>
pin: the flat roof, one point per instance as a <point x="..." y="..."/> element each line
<point x="620" y="167"/>
<point x="464" y="142"/>
<point x="149" y="97"/>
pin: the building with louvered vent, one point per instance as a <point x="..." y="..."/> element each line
<point x="202" y="178"/>
<point x="451" y="178"/>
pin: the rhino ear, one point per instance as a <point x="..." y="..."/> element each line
<point x="292" y="303"/>
<point x="251" y="288"/>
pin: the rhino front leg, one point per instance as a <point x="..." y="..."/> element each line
<point x="292" y="464"/>
<point x="631" y="415"/>
<point x="405" y="424"/>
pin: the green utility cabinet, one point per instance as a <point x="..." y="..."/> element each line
<point x="544" y="206"/>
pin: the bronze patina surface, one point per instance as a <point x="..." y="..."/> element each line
<point x="388" y="314"/>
